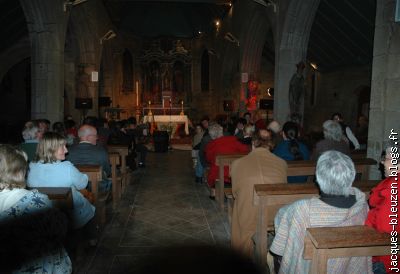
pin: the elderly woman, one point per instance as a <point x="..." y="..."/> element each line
<point x="220" y="145"/>
<point x="339" y="204"/>
<point x="381" y="205"/>
<point x="31" y="134"/>
<point x="50" y="170"/>
<point x="30" y="231"/>
<point x="334" y="140"/>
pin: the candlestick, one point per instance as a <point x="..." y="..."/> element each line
<point x="182" y="113"/>
<point x="137" y="93"/>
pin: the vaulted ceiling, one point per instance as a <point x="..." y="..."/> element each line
<point x="342" y="33"/>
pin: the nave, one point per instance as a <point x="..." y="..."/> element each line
<point x="161" y="207"/>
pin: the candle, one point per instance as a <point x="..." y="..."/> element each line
<point x="137" y="93"/>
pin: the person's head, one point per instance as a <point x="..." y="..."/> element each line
<point x="13" y="165"/>
<point x="337" y="117"/>
<point x="51" y="148"/>
<point x="215" y="130"/>
<point x="390" y="159"/>
<point x="241" y="122"/>
<point x="263" y="138"/>
<point x="44" y="125"/>
<point x="290" y="131"/>
<point x="335" y="173"/>
<point x="59" y="128"/>
<point x="88" y="133"/>
<point x="31" y="131"/>
<point x="204" y="122"/>
<point x="199" y="129"/>
<point x="274" y="126"/>
<point x="248" y="130"/>
<point x="332" y="130"/>
<point x="247" y="116"/>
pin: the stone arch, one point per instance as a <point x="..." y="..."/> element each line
<point x="295" y="22"/>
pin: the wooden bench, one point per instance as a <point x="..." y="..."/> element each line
<point x="116" y="180"/>
<point x="123" y="151"/>
<point x="271" y="197"/>
<point x="95" y="173"/>
<point x="323" y="243"/>
<point x="295" y="168"/>
<point x="60" y="196"/>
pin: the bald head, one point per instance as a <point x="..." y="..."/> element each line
<point x="87" y="133"/>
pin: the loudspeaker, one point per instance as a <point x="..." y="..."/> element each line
<point x="104" y="101"/>
<point x="228" y="105"/>
<point x="266" y="104"/>
<point x="83" y="103"/>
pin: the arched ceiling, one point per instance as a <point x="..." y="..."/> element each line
<point x="12" y="22"/>
<point x="183" y="19"/>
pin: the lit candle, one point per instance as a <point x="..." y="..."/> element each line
<point x="137" y="93"/>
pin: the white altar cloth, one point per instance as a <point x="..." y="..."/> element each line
<point x="165" y="119"/>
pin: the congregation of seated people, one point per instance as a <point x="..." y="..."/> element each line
<point x="272" y="147"/>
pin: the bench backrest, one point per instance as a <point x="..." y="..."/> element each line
<point x="95" y="173"/>
<point x="60" y="196"/>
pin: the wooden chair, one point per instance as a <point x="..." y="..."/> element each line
<point x="323" y="243"/>
<point x="123" y="151"/>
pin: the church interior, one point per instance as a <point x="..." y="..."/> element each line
<point x="168" y="65"/>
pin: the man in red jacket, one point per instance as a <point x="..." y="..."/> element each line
<point x="383" y="214"/>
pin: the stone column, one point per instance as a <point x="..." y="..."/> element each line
<point x="385" y="97"/>
<point x="47" y="27"/>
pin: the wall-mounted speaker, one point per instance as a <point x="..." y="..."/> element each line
<point x="83" y="103"/>
<point x="104" y="101"/>
<point x="228" y="105"/>
<point x="266" y="104"/>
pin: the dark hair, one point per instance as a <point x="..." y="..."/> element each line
<point x="292" y="132"/>
<point x="339" y="115"/>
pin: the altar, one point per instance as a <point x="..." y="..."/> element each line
<point x="165" y="122"/>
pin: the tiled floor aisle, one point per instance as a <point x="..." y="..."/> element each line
<point x="162" y="207"/>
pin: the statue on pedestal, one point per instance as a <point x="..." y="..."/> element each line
<point x="296" y="90"/>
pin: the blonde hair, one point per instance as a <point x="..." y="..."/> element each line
<point x="48" y="146"/>
<point x="13" y="165"/>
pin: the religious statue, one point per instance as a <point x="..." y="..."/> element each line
<point x="166" y="78"/>
<point x="296" y="90"/>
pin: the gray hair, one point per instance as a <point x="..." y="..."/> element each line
<point x="29" y="131"/>
<point x="332" y="130"/>
<point x="85" y="130"/>
<point x="215" y="131"/>
<point x="335" y="173"/>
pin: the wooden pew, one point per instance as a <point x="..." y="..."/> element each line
<point x="221" y="161"/>
<point x="295" y="168"/>
<point x="94" y="172"/>
<point x="123" y="151"/>
<point x="116" y="181"/>
<point x="271" y="197"/>
<point x="60" y="196"/>
<point x="323" y="243"/>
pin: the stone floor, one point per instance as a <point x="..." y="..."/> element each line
<point x="162" y="206"/>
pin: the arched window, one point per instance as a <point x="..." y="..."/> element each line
<point x="127" y="72"/>
<point x="205" y="71"/>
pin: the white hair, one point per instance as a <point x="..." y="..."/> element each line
<point x="85" y="130"/>
<point x="335" y="173"/>
<point x="332" y="130"/>
<point x="30" y="130"/>
<point x="215" y="131"/>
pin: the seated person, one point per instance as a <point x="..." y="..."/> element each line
<point x="347" y="133"/>
<point x="220" y="145"/>
<point x="87" y="152"/>
<point x="139" y="137"/>
<point x="333" y="140"/>
<point x="248" y="132"/>
<point x="50" y="170"/>
<point x="31" y="134"/>
<point x="30" y="231"/>
<point x="290" y="149"/>
<point x="339" y="204"/>
<point x="260" y="166"/>
<point x="380" y="208"/>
